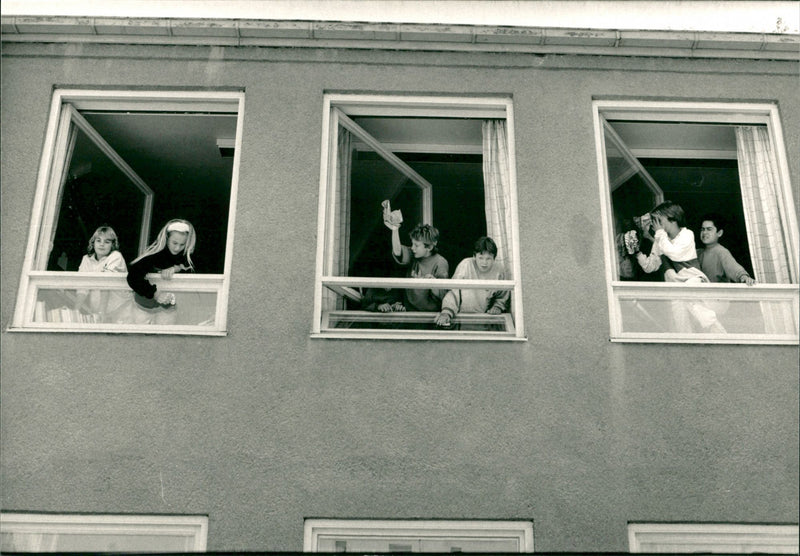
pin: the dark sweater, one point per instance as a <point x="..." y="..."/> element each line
<point x="152" y="263"/>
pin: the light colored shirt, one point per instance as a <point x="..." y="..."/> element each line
<point x="476" y="300"/>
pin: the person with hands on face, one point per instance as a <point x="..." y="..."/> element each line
<point x="674" y="240"/>
<point x="171" y="252"/>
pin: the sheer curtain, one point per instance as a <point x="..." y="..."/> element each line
<point x="765" y="225"/>
<point x="760" y="190"/>
<point x="497" y="187"/>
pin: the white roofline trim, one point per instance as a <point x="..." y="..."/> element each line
<point x="418" y="37"/>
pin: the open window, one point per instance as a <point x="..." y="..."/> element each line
<point x="376" y="535"/>
<point x="131" y="160"/>
<point x="725" y="160"/>
<point x="444" y="161"/>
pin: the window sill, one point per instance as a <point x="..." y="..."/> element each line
<point x="402" y="326"/>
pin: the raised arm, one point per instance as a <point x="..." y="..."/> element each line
<point x="397" y="247"/>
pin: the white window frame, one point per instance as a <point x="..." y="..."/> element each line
<point x="193" y="527"/>
<point x="349" y="105"/>
<point x="65" y="103"/>
<point x="392" y="529"/>
<point x="713" y="537"/>
<point x="709" y="112"/>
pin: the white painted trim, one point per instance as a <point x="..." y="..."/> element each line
<point x="787" y="207"/>
<point x="396" y="36"/>
<point x="421" y="106"/>
<point x="54" y="186"/>
<point x="325" y="174"/>
<point x="160" y="101"/>
<point x="194" y="528"/>
<point x="424" y="148"/>
<point x="221" y="319"/>
<point x="688" y="111"/>
<point x="609" y="248"/>
<point x="337" y="107"/>
<point x="686" y="154"/>
<point x="713" y="537"/>
<point x="313" y="529"/>
<point x="516" y="309"/>
<point x="52" y="163"/>
<point x="418" y="283"/>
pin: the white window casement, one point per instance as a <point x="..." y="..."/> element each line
<point x="444" y="161"/>
<point x="132" y="160"/>
<point x="721" y="159"/>
<point x="30" y="532"/>
<point x="707" y="538"/>
<point x="375" y="535"/>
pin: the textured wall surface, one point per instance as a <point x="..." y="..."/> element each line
<point x="266" y="426"/>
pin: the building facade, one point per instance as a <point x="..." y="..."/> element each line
<point x="272" y="410"/>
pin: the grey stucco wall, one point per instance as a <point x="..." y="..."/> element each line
<point x="266" y="426"/>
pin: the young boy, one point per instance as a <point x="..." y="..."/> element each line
<point x="481" y="266"/>
<point x="421" y="258"/>
<point x="716" y="261"/>
<point x="673" y="239"/>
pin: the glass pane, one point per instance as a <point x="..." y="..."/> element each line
<point x="360" y="544"/>
<point x="372" y="180"/>
<point x="95" y="193"/>
<point x="469" y="545"/>
<point x="123" y="543"/>
<point x="686" y="314"/>
<point x="399" y="544"/>
<point x="414" y="321"/>
<point x="82" y="542"/>
<point x="116" y="306"/>
<point x="632" y="197"/>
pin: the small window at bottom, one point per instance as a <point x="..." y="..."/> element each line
<point x="344" y="535"/>
<point x="30" y="532"/>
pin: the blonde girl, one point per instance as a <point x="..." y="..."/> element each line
<point x="171" y="252"/>
<point x="102" y="256"/>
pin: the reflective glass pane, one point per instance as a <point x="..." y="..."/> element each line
<point x="415" y="321"/>
<point x="117" y="306"/>
<point x="96" y="542"/>
<point x="373" y="179"/>
<point x="713" y="314"/>
<point x="96" y="193"/>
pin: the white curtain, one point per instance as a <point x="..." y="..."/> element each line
<point x="760" y="189"/>
<point x="758" y="176"/>
<point x="497" y="187"/>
